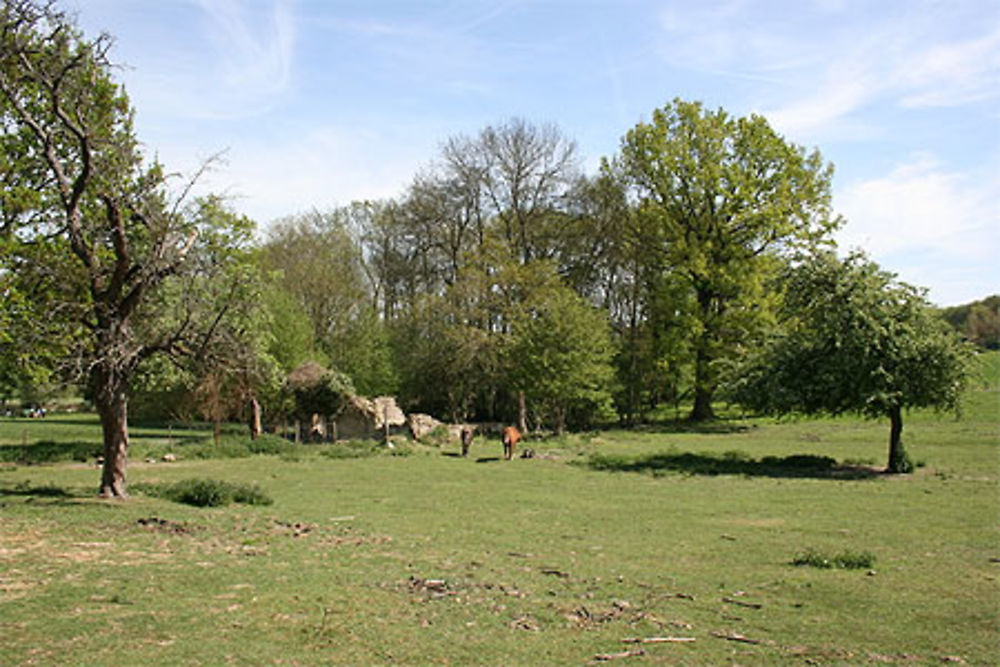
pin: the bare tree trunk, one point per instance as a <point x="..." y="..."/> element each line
<point x="522" y="413"/>
<point x="385" y="426"/>
<point x="112" y="408"/>
<point x="898" y="461"/>
<point x="255" y="428"/>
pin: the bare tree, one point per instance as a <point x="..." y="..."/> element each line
<point x="520" y="173"/>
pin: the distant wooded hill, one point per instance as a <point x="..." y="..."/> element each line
<point x="978" y="321"/>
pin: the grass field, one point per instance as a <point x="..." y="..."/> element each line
<point x="428" y="558"/>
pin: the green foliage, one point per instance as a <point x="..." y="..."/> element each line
<point x="367" y="355"/>
<point x="113" y="269"/>
<point x="293" y="339"/>
<point x="718" y="198"/>
<point x="847" y="560"/>
<point x="856" y="341"/>
<point x="978" y="322"/>
<point x="560" y="355"/>
<point x="319" y="391"/>
<point x="233" y="446"/>
<point x="207" y="493"/>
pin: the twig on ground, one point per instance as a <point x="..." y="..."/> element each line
<point x="735" y="637"/>
<point x="748" y="605"/>
<point x="604" y="657"/>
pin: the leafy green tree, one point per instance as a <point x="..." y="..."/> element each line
<point x="99" y="237"/>
<point x="221" y="287"/>
<point x="719" y="195"/>
<point x="978" y="321"/>
<point x="447" y="351"/>
<point x="319" y="265"/>
<point x="560" y="354"/>
<point x="855" y="340"/>
<point x="318" y="391"/>
<point x="292" y="340"/>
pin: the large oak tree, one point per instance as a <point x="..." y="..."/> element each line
<point x="719" y="197"/>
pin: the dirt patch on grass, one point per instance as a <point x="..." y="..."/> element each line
<point x="158" y="525"/>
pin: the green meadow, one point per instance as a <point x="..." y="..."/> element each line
<point x="746" y="542"/>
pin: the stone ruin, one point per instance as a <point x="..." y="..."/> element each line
<point x="367" y="418"/>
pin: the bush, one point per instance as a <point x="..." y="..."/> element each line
<point x="352" y="449"/>
<point x="206" y="493"/>
<point x="848" y="560"/>
<point x="230" y="446"/>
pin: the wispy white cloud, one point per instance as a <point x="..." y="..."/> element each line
<point x="919" y="205"/>
<point x="255" y="51"/>
<point x="924" y="220"/>
<point x="253" y="54"/>
<point x="321" y="167"/>
<point x="823" y="70"/>
<point x="953" y="73"/>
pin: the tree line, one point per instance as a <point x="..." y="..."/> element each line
<point x="504" y="283"/>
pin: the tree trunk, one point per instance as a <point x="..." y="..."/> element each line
<point x="898" y="461"/>
<point x="704" y="385"/>
<point x="385" y="426"/>
<point x="703" y="389"/>
<point x="255" y="428"/>
<point x="522" y="414"/>
<point x="560" y="418"/>
<point x="112" y="408"/>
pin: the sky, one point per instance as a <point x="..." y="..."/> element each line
<point x="318" y="103"/>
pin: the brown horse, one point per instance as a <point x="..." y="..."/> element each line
<point x="511" y="436"/>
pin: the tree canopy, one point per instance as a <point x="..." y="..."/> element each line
<point x="92" y="232"/>
<point x="502" y="283"/>
<point x="854" y="339"/>
<point x="719" y="196"/>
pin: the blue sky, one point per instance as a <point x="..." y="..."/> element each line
<point x="321" y="102"/>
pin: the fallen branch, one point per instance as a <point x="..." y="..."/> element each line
<point x="749" y="605"/>
<point x="681" y="596"/>
<point x="555" y="573"/>
<point x="604" y="657"/>
<point x="657" y="640"/>
<point x="735" y="637"/>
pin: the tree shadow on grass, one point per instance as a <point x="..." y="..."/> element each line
<point x="732" y="463"/>
<point x="713" y="427"/>
<point x="49" y="451"/>
<point x="36" y="491"/>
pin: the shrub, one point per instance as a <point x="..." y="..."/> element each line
<point x="352" y="449"/>
<point x="206" y="493"/>
<point x="848" y="560"/>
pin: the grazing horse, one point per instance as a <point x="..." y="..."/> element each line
<point x="511" y="436"/>
<point x="467" y="433"/>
